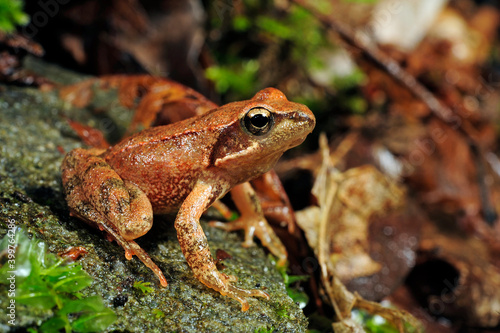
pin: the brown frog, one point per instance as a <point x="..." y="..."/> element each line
<point x="185" y="167"/>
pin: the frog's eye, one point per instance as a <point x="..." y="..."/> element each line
<point x="258" y="121"/>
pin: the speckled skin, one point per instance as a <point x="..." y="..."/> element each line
<point x="185" y="166"/>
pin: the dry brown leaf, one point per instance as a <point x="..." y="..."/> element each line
<point x="347" y="200"/>
<point x="338" y="229"/>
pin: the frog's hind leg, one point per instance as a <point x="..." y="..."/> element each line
<point x="253" y="222"/>
<point x="96" y="194"/>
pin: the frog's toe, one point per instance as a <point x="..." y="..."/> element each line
<point x="240" y="295"/>
<point x="223" y="283"/>
<point x="258" y="227"/>
<point x="239" y="224"/>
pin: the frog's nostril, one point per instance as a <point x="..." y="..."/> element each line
<point x="302" y="117"/>
<point x="299" y="115"/>
<point x="305" y="117"/>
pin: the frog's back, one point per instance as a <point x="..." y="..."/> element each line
<point x="165" y="161"/>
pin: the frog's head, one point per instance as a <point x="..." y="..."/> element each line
<point x="263" y="128"/>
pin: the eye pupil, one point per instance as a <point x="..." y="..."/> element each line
<point x="258" y="121"/>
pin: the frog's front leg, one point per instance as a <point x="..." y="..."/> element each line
<point x="194" y="245"/>
<point x="253" y="222"/>
<point x="96" y="194"/>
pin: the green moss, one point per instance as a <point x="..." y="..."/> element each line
<point x="144" y="287"/>
<point x="158" y="313"/>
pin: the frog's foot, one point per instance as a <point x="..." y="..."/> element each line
<point x="256" y="226"/>
<point x="239" y="294"/>
<point x="222" y="283"/>
<point x="195" y="248"/>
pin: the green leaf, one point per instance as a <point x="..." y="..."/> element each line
<point x="35" y="292"/>
<point x="66" y="278"/>
<point x="55" y="269"/>
<point x="49" y="282"/>
<point x="89" y="304"/>
<point x="38" y="298"/>
<point x="11" y="14"/>
<point x="54" y="324"/>
<point x="38" y="256"/>
<point x="94" y="322"/>
<point x="234" y="216"/>
<point x="73" y="282"/>
<point x="21" y="263"/>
